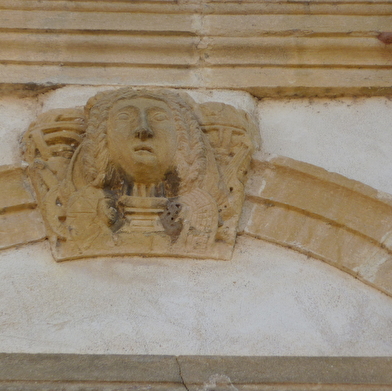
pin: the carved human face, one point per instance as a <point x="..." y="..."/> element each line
<point x="142" y="138"/>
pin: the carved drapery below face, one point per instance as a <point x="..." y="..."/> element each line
<point x="139" y="172"/>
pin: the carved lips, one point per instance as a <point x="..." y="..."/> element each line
<point x="144" y="149"/>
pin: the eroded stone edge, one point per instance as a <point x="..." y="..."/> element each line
<point x="283" y="207"/>
<point x="190" y="372"/>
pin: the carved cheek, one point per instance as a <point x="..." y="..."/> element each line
<point x="164" y="130"/>
<point x="172" y="138"/>
<point x="124" y="122"/>
<point x="117" y="142"/>
<point x="160" y="131"/>
<point x="122" y="131"/>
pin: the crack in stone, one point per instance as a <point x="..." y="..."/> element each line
<point x="180" y="373"/>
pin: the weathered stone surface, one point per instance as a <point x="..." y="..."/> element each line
<point x="21" y="227"/>
<point x="20" y="222"/>
<point x="280" y="370"/>
<point x="216" y="383"/>
<point x="267" y="48"/>
<point x="114" y="21"/>
<point x="15" y="189"/>
<point x="109" y="50"/>
<point x="254" y="25"/>
<point x="141" y="173"/>
<point x="222" y="384"/>
<point x="26" y="90"/>
<point x="279" y="50"/>
<point x="89" y="386"/>
<point x="306" y="187"/>
<point x="338" y="220"/>
<point x="334" y="7"/>
<point x="211" y="373"/>
<point x="73" y="367"/>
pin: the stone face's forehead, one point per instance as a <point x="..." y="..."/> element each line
<point x="141" y="103"/>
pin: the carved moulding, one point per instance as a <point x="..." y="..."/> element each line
<point x="139" y="172"/>
<point x="321" y="214"/>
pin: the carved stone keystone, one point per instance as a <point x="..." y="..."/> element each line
<point x="141" y="172"/>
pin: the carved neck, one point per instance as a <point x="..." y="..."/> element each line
<point x="148" y="189"/>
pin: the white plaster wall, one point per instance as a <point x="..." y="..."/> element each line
<point x="267" y="301"/>
<point x="350" y="136"/>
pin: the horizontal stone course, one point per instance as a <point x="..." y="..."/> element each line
<point x="266" y="48"/>
<point x="116" y="372"/>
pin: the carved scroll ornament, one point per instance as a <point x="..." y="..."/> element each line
<point x="141" y="173"/>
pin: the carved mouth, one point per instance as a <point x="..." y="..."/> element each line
<point x="143" y="148"/>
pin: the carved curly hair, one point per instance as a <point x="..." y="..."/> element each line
<point x="191" y="157"/>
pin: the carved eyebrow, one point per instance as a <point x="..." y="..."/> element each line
<point x="157" y="108"/>
<point x="131" y="111"/>
<point x="128" y="108"/>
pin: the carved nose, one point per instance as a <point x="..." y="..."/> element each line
<point x="143" y="133"/>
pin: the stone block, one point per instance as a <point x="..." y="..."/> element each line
<point x="265" y="48"/>
<point x="15" y="189"/>
<point x="231" y="372"/>
<point x="97" y="368"/>
<point x="325" y="215"/>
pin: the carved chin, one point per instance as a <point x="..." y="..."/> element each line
<point x="145" y="169"/>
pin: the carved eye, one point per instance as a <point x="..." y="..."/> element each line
<point x="123" y="116"/>
<point x="159" y="116"/>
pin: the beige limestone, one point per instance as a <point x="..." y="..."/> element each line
<point x="338" y="220"/>
<point x="275" y="48"/>
<point x="228" y="372"/>
<point x="279" y="50"/>
<point x="360" y="7"/>
<point x="20" y="222"/>
<point x="137" y="173"/>
<point x="16" y="191"/>
<point x="200" y="373"/>
<point x="21" y="227"/>
<point x="321" y="193"/>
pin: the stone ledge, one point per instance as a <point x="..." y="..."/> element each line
<point x="332" y="7"/>
<point x="268" y="48"/>
<point x="116" y="372"/>
<point x="92" y="368"/>
<point x="262" y="82"/>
